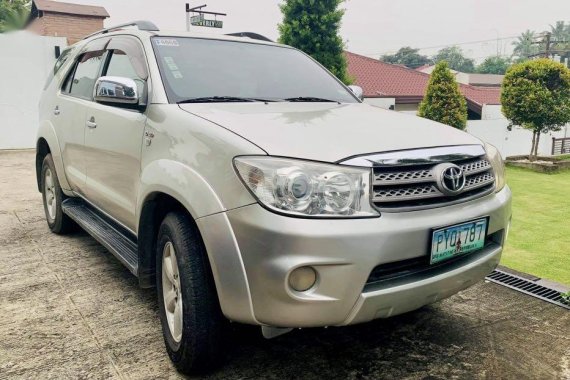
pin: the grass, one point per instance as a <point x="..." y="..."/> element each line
<point x="539" y="239"/>
<point x="563" y="157"/>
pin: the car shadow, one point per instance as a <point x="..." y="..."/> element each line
<point x="434" y="339"/>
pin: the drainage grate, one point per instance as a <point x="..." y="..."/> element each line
<point x="528" y="287"/>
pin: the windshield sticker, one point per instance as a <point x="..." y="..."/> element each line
<point x="173" y="67"/>
<point x="170" y="63"/>
<point x="166" y="42"/>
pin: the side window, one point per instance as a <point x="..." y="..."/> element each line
<point x="121" y="65"/>
<point x="86" y="72"/>
<point x="58" y="64"/>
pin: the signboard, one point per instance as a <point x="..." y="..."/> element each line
<point x="196" y="19"/>
<point x="199" y="20"/>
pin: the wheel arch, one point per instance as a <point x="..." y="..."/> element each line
<point x="48" y="143"/>
<point x="42" y="150"/>
<point x="153" y="211"/>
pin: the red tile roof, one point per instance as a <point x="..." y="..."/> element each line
<point x="381" y="79"/>
<point x="70" y="8"/>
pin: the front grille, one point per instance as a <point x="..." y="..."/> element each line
<point x="411" y="187"/>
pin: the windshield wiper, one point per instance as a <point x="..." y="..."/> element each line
<point x="222" y="99"/>
<point x="309" y="99"/>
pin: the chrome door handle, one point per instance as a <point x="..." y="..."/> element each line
<point x="91" y="123"/>
<point x="56" y="110"/>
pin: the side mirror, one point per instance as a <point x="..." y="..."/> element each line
<point x="116" y="90"/>
<point x="357" y="90"/>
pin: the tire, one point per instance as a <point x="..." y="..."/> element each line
<point x="197" y="344"/>
<point x="53" y="196"/>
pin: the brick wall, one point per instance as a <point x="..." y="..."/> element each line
<point x="74" y="27"/>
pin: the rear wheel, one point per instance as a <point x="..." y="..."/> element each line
<point x="192" y="322"/>
<point x="53" y="196"/>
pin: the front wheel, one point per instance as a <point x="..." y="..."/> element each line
<point x="192" y="322"/>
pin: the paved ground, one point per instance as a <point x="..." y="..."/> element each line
<point x="68" y="309"/>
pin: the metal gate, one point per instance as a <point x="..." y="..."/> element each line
<point x="560" y="146"/>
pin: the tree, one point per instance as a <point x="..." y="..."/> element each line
<point x="455" y="59"/>
<point x="443" y="101"/>
<point x="536" y="96"/>
<point x="494" y="65"/>
<point x="559" y="31"/>
<point x="313" y="26"/>
<point x="13" y="14"/>
<point x="408" y="57"/>
<point x="525" y="46"/>
<point x="561" y="39"/>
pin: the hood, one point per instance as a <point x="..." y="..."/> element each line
<point x="327" y="131"/>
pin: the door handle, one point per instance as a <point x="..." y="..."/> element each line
<point x="91" y="123"/>
<point x="56" y="110"/>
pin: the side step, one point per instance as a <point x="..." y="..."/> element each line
<point x="112" y="236"/>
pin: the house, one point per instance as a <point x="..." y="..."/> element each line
<point x="73" y="21"/>
<point x="474" y="79"/>
<point x="401" y="88"/>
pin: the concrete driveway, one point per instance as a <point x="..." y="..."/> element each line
<point x="68" y="309"/>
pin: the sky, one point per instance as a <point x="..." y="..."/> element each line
<point x="372" y="27"/>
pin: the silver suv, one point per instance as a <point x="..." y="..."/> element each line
<point x="248" y="184"/>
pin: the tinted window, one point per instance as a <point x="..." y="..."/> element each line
<point x="193" y="68"/>
<point x="58" y="64"/>
<point x="121" y="65"/>
<point x="86" y="73"/>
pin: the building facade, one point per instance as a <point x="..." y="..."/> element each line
<point x="59" y="19"/>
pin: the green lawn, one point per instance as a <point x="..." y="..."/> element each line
<point x="539" y="240"/>
<point x="564" y="157"/>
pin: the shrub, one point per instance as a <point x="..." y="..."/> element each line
<point x="313" y="26"/>
<point x="536" y="95"/>
<point x="443" y="101"/>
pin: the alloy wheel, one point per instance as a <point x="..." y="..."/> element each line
<point x="171" y="291"/>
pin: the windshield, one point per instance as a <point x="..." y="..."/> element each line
<point x="194" y="68"/>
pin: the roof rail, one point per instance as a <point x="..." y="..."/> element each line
<point x="251" y="35"/>
<point x="141" y="25"/>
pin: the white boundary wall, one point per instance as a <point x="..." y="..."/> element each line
<point x="511" y="143"/>
<point x="25" y="61"/>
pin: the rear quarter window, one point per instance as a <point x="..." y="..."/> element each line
<point x="63" y="58"/>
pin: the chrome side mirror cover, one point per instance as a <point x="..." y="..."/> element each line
<point x="116" y="90"/>
<point x="357" y="90"/>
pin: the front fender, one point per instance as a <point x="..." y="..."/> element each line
<point x="46" y="131"/>
<point x="180" y="182"/>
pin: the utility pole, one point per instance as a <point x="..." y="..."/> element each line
<point x="547" y="42"/>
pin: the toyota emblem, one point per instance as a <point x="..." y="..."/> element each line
<point x="450" y="178"/>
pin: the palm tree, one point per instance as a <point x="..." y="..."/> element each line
<point x="561" y="37"/>
<point x="559" y="31"/>
<point x="525" y="46"/>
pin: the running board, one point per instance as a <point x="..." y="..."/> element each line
<point x="105" y="231"/>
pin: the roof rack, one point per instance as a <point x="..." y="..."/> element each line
<point x="141" y="25"/>
<point x="251" y="35"/>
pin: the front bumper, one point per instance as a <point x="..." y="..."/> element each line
<point x="252" y="252"/>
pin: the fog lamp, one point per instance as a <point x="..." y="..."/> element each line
<point x="302" y="279"/>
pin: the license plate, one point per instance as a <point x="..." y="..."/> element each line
<point x="456" y="240"/>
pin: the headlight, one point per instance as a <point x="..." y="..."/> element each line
<point x="498" y="165"/>
<point x="307" y="189"/>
